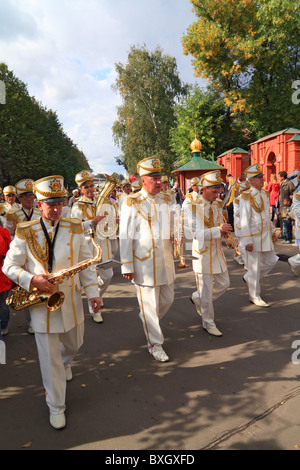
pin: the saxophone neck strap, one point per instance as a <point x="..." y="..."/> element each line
<point x="50" y="243"/>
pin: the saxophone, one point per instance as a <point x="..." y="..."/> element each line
<point x="108" y="227"/>
<point x="20" y="298"/>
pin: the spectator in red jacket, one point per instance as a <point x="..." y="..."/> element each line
<point x="5" y="283"/>
<point x="273" y="188"/>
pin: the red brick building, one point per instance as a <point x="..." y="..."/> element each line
<point x="275" y="152"/>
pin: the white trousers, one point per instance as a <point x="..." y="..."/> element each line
<point x="56" y="351"/>
<point x="209" y="288"/>
<point x="154" y="302"/>
<point x="259" y="264"/>
<point x="295" y="260"/>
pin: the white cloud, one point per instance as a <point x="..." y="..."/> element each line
<point x="65" y="52"/>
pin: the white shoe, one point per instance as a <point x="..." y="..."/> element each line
<point x="196" y="305"/>
<point x="68" y="372"/>
<point x="159" y="354"/>
<point x="4" y="332"/>
<point x="98" y="318"/>
<point x="30" y="330"/>
<point x="214" y="331"/>
<point x="58" y="421"/>
<point x="293" y="269"/>
<point x="259" y="302"/>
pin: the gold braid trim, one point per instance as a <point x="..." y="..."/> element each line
<point x="75" y="225"/>
<point x="84" y="209"/>
<point x="297" y="196"/>
<point x="209" y="222"/>
<point x="247" y="196"/>
<point x="26" y="232"/>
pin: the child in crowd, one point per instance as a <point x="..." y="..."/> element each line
<point x="287" y="220"/>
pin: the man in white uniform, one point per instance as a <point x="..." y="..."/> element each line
<point x="10" y="196"/>
<point x="40" y="247"/>
<point x="294" y="261"/>
<point x="85" y="210"/>
<point x="205" y="219"/>
<point x="25" y="212"/>
<point x="256" y="233"/>
<point x="146" y="252"/>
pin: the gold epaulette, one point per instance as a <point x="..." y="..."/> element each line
<point x="297" y="196"/>
<point x="167" y="197"/>
<point x="24" y="226"/>
<point x="75" y="224"/>
<point x="236" y="200"/>
<point x="265" y="192"/>
<point x="245" y="195"/>
<point x="131" y="198"/>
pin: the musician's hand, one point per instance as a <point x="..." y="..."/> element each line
<point x="225" y="228"/>
<point x="96" y="304"/>
<point x="98" y="219"/>
<point x="129" y="276"/>
<point x="40" y="281"/>
<point x="249" y="247"/>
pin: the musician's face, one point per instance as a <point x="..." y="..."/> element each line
<point x="51" y="211"/>
<point x="258" y="182"/>
<point x="88" y="189"/>
<point x="210" y="193"/>
<point x="152" y="184"/>
<point x="27" y="200"/>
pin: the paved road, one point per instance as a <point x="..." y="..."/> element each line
<point x="240" y="391"/>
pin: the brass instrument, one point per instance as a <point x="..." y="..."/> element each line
<point x="229" y="240"/>
<point x="109" y="226"/>
<point x="179" y="238"/>
<point x="20" y="298"/>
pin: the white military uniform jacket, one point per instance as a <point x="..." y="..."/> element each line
<point x="255" y="221"/>
<point x="28" y="256"/>
<point x="146" y="229"/>
<point x="12" y="219"/>
<point x="204" y="219"/>
<point x="296" y="208"/>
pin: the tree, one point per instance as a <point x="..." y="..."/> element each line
<point x="203" y="113"/>
<point x="149" y="86"/>
<point x="249" y="51"/>
<point x="32" y="141"/>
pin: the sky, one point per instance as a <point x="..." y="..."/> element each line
<point x="65" y="51"/>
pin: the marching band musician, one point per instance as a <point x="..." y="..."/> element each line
<point x="257" y="233"/>
<point x="205" y="219"/>
<point x="243" y="186"/>
<point x="42" y="246"/>
<point x="26" y="211"/>
<point x="195" y="193"/>
<point x="126" y="190"/>
<point x="85" y="209"/>
<point x="294" y="261"/>
<point x="166" y="189"/>
<point x="146" y="252"/>
<point x="10" y="196"/>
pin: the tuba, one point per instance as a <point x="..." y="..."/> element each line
<point x="104" y="207"/>
<point x="20" y="298"/>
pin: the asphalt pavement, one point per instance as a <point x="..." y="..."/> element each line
<point x="237" y="392"/>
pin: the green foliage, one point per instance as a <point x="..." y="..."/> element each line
<point x="32" y="141"/>
<point x="249" y="50"/>
<point x="149" y="86"/>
